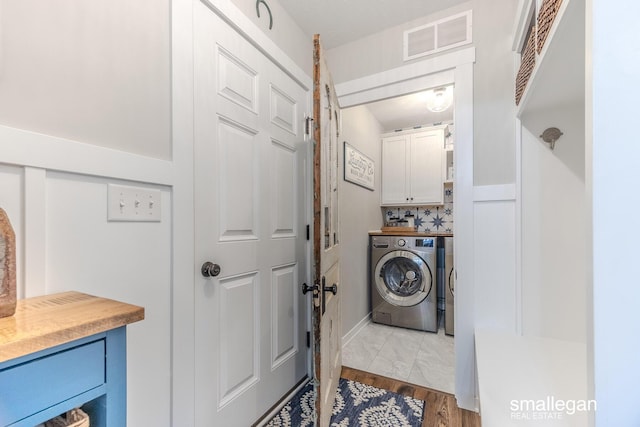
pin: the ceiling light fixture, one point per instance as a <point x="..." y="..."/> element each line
<point x="439" y="99"/>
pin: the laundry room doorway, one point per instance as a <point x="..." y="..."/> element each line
<point x="450" y="70"/>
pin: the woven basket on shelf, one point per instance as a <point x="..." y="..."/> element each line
<point x="547" y="14"/>
<point x="528" y="61"/>
<point x="73" y="418"/>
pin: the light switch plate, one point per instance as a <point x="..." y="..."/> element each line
<point x="133" y="204"/>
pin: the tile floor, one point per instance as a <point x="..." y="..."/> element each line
<point x="421" y="358"/>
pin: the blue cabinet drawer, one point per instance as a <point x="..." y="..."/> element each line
<point x="49" y="380"/>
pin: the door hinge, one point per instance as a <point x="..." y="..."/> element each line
<point x="307" y="125"/>
<point x="308" y="339"/>
<point x="308" y="231"/>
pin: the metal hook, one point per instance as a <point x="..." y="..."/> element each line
<point x="268" y="10"/>
<point x="550" y="136"/>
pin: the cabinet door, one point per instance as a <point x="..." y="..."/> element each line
<point x="426" y="164"/>
<point x="394" y="171"/>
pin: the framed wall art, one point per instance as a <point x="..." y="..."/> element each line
<point x="358" y="168"/>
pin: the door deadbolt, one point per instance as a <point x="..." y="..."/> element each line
<point x="306" y="288"/>
<point x="210" y="269"/>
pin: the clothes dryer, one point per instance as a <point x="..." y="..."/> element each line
<point x="403" y="281"/>
<point x="450" y="281"/>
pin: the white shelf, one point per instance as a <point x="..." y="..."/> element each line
<point x="558" y="76"/>
<point x="513" y="368"/>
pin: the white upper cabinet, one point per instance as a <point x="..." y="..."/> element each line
<point x="413" y="167"/>
<point x="395" y="183"/>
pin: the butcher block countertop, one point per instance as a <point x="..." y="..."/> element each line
<point x="408" y="234"/>
<point x="50" y="320"/>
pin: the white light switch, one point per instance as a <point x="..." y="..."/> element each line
<point x="127" y="203"/>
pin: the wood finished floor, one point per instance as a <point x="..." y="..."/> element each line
<point x="441" y="409"/>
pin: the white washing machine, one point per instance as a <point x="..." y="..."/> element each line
<point x="403" y="281"/>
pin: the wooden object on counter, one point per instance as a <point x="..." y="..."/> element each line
<point x="411" y="233"/>
<point x="50" y="320"/>
<point x="403" y="229"/>
<point x="7" y="266"/>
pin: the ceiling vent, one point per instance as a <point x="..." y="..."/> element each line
<point x="437" y="36"/>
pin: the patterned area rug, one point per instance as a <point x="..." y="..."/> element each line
<point x="356" y="405"/>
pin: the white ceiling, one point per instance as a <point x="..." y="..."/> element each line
<point x="406" y="112"/>
<point x="342" y="21"/>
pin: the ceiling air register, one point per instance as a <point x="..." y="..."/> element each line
<point x="438" y="36"/>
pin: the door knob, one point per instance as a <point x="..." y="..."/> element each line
<point x="210" y="269"/>
<point x="306" y="288"/>
<point x="333" y="288"/>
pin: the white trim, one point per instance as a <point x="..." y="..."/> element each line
<point x="518" y="230"/>
<point x="356" y="329"/>
<point x="35" y="222"/>
<point x="466" y="380"/>
<point x="243" y="25"/>
<point x="521" y="26"/>
<point x="25" y="148"/>
<point x="494" y="193"/>
<point x="397" y="89"/>
<point x="183" y="231"/>
<point x="407" y="72"/>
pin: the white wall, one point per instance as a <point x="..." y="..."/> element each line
<point x="380" y="51"/>
<point x="494" y="88"/>
<point x="554" y="227"/>
<point x="613" y="175"/>
<point x="494" y="105"/>
<point x="495" y="264"/>
<point x="359" y="214"/>
<point x="95" y="72"/>
<point x="285" y="32"/>
<point x="130" y="262"/>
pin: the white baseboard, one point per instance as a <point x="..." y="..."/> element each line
<point x="354" y="331"/>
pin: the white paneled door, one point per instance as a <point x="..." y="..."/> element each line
<point x="250" y="155"/>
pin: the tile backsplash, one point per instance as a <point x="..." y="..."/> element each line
<point x="428" y="219"/>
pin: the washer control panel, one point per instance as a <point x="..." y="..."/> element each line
<point x="402" y="243"/>
<point x="428" y="242"/>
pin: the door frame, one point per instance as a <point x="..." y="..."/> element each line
<point x="183" y="238"/>
<point x="452" y="68"/>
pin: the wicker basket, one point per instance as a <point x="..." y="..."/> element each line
<point x="73" y="418"/>
<point x="547" y="14"/>
<point x="528" y="61"/>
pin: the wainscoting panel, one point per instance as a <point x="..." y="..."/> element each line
<point x="57" y="204"/>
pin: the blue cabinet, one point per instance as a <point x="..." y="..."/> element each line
<point x="88" y="372"/>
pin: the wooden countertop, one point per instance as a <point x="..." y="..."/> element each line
<point x="50" y="320"/>
<point x="408" y="234"/>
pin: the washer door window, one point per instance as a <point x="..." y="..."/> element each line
<point x="403" y="278"/>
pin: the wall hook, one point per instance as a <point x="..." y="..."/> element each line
<point x="550" y="136"/>
<point x="268" y="10"/>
